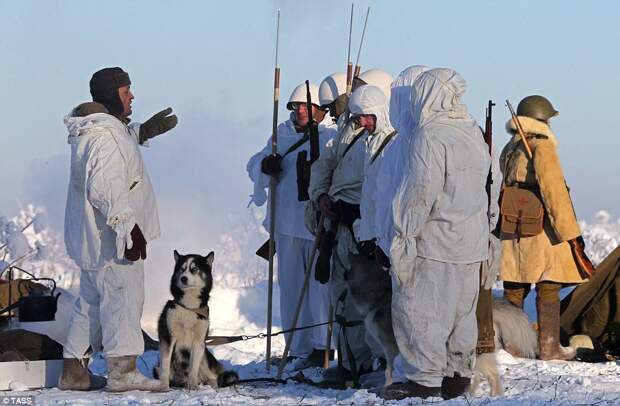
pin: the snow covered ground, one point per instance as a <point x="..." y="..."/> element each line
<point x="238" y="307"/>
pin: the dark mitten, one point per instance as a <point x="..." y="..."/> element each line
<point x="271" y="165"/>
<point x="322" y="269"/>
<point x="158" y="124"/>
<point x="303" y="176"/>
<point x="138" y="250"/>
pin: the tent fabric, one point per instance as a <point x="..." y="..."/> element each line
<point x="594" y="306"/>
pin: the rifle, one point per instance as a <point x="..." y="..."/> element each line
<point x="312" y="127"/>
<point x="488" y="139"/>
<point x="349" y="64"/>
<point x="515" y="119"/>
<point x="272" y="195"/>
<point x="359" y="52"/>
<point x="484" y="306"/>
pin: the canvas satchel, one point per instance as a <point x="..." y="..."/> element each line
<point x="522" y="212"/>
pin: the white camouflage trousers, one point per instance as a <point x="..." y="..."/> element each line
<point x="293" y="255"/>
<point x="107" y="314"/>
<point x="434" y="319"/>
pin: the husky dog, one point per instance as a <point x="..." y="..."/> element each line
<point x="183" y="327"/>
<point x="486" y="368"/>
<point x="514" y="334"/>
<point x="513" y="330"/>
<point x="370" y="290"/>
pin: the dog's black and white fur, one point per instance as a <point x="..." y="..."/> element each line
<point x="183" y="327"/>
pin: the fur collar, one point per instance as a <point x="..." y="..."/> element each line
<point x="531" y="126"/>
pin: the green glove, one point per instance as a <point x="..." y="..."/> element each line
<point x="158" y="124"/>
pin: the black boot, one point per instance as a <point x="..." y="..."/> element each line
<point x="409" y="389"/>
<point x="453" y="387"/>
<point x="317" y="357"/>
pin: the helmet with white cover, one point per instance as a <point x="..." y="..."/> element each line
<point x="331" y="87"/>
<point x="379" y="78"/>
<point x="368" y="99"/>
<point x="299" y="95"/>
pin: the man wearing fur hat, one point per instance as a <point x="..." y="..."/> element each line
<point x="110" y="216"/>
<point x="547" y="258"/>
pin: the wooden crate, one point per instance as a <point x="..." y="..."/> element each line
<point x="34" y="374"/>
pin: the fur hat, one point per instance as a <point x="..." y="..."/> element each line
<point x="104" y="87"/>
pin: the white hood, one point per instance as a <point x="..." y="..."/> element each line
<point x="369" y="99"/>
<point x="435" y="96"/>
<point x="440" y="209"/>
<point x="396" y="154"/>
<point x="400" y="101"/>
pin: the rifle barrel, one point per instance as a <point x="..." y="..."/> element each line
<point x="277" y="37"/>
<point x="350" y="34"/>
<point x="357" y="61"/>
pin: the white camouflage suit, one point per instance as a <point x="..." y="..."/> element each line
<point x="109" y="192"/>
<point x="371" y="100"/>
<point x="293" y="241"/>
<point x="441" y="232"/>
<point x="388" y="174"/>
<point x="341" y="176"/>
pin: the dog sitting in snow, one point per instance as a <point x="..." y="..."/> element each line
<point x="183" y="327"/>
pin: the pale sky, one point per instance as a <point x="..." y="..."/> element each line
<point x="213" y="63"/>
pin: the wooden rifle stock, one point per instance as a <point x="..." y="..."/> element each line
<point x="358" y="68"/>
<point x="349" y="78"/>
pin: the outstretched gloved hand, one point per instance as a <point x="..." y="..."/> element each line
<point x="158" y="124"/>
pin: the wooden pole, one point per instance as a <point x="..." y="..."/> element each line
<point x="272" y="196"/>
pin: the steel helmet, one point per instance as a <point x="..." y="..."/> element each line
<point x="379" y="78"/>
<point x="536" y="107"/>
<point x="299" y="95"/>
<point x="331" y="87"/>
